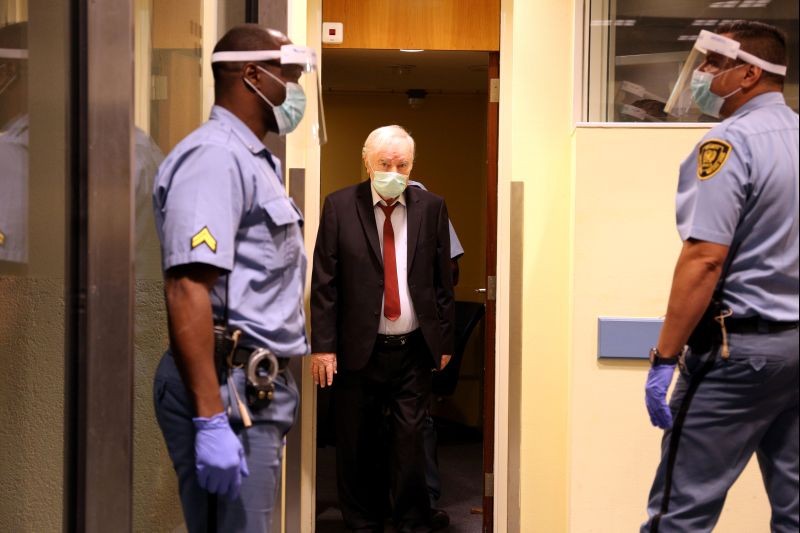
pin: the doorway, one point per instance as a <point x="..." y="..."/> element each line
<point x="440" y="97"/>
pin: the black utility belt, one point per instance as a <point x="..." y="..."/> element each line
<point x="397" y="341"/>
<point x="260" y="367"/>
<point x="756" y="324"/>
<point x="241" y="356"/>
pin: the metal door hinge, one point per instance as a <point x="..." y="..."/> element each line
<point x="488" y="484"/>
<point x="494" y="90"/>
<point x="158" y="88"/>
<point x="491" y="288"/>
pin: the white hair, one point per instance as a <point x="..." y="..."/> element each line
<point x="384" y="135"/>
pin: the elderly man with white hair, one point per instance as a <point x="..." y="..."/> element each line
<point x="382" y="318"/>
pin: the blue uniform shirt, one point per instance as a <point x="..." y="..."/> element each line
<point x="739" y="187"/>
<point x="218" y="200"/>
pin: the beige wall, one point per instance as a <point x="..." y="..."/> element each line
<point x="599" y="239"/>
<point x="535" y="150"/>
<point x="625" y="249"/>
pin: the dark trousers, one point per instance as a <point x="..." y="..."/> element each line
<point x="397" y="380"/>
<point x="745" y="405"/>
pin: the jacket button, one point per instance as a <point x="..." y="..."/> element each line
<point x="380" y="283"/>
<point x="376" y="313"/>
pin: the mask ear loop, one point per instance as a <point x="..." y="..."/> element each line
<point x="729" y="70"/>
<point x="259" y="93"/>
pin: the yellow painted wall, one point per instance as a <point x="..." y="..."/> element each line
<point x="599" y="240"/>
<point x="625" y="250"/>
<point x="535" y="149"/>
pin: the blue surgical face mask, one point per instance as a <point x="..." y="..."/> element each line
<point x="289" y="114"/>
<point x="389" y="184"/>
<point x="708" y="102"/>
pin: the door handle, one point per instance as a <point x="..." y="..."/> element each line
<point x="480" y="291"/>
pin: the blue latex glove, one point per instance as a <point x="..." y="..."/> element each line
<point x="219" y="457"/>
<point x="655" y="395"/>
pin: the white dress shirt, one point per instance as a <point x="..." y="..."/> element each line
<point x="407" y="322"/>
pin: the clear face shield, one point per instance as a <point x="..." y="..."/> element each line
<point x="299" y="105"/>
<point x="712" y="48"/>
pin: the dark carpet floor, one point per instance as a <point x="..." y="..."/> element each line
<point x="460" y="456"/>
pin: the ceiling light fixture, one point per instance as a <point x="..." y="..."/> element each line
<point x="618" y="22"/>
<point x="705" y="22"/>
<point x="411" y="50"/>
<point x="725" y="4"/>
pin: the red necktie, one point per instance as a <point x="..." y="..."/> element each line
<point x="391" y="291"/>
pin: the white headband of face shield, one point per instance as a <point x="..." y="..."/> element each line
<point x="713" y="42"/>
<point x="289" y="54"/>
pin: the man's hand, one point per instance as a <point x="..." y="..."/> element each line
<point x="219" y="457"/>
<point x="323" y="367"/>
<point x="655" y="395"/>
<point x="445" y="360"/>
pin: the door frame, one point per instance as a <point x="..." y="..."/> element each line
<point x="490" y="320"/>
<point x="98" y="438"/>
<point x="505" y="484"/>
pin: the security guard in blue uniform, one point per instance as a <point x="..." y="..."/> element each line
<point x="734" y="297"/>
<point x="234" y="269"/>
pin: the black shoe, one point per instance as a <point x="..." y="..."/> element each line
<point x="439" y="519"/>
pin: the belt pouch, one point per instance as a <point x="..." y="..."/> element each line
<point x="707" y="333"/>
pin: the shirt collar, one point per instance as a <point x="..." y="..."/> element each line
<point x="770" y="98"/>
<point x="245" y="134"/>
<point x="376" y="198"/>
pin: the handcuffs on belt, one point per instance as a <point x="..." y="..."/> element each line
<point x="259" y="386"/>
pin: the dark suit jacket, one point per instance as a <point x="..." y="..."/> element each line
<point x="347" y="280"/>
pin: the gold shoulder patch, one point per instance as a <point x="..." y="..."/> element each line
<point x="712" y="157"/>
<point x="204" y="237"/>
<point x="2" y="238"/>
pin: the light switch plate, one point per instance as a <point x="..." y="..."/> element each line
<point x="626" y="338"/>
<point x="332" y="32"/>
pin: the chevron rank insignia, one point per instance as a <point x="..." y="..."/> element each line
<point x="711" y="157"/>
<point x="204" y="237"/>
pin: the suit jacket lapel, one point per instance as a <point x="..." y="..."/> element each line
<point x="413" y="222"/>
<point x="366" y="214"/>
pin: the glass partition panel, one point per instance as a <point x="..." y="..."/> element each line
<point x="34" y="103"/>
<point x="634" y="50"/>
<point x="173" y="95"/>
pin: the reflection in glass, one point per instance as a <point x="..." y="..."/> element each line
<point x="34" y="48"/>
<point x="14" y="143"/>
<point x="635" y="49"/>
